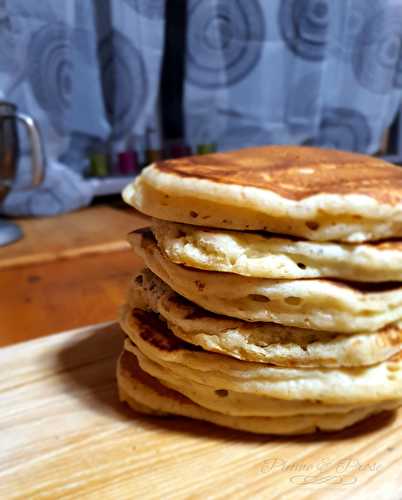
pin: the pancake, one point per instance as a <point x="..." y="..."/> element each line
<point x="259" y="342"/>
<point x="318" y="194"/>
<point x="344" y="386"/>
<point x="145" y="394"/>
<point x="270" y="256"/>
<point x="236" y="403"/>
<point x="239" y="404"/>
<point x="313" y="304"/>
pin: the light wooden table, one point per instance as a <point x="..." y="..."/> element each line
<point x="64" y="434"/>
<point x="68" y="271"/>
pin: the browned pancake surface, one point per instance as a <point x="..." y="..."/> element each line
<point x="129" y="365"/>
<point x="295" y="172"/>
<point x="156" y="332"/>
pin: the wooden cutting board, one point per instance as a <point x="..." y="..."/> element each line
<point x="87" y="232"/>
<point x="65" y="435"/>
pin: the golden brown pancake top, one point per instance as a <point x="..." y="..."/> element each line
<point x="295" y="172"/>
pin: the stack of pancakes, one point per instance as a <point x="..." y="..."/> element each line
<point x="271" y="300"/>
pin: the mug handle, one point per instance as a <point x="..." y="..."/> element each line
<point x="38" y="159"/>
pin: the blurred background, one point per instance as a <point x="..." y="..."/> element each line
<point x="116" y="84"/>
<point x="93" y="90"/>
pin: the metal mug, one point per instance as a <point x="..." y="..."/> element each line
<point x="9" y="152"/>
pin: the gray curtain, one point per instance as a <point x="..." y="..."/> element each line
<point x="320" y="72"/>
<point x="88" y="71"/>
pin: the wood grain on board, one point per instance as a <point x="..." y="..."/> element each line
<point x="65" y="435"/>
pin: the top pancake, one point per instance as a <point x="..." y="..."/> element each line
<point x="315" y="193"/>
<point x="295" y="172"/>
